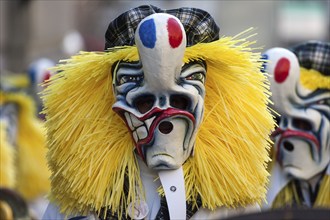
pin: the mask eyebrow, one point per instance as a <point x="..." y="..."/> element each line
<point x="121" y="63"/>
<point x="133" y="64"/>
<point x="187" y="65"/>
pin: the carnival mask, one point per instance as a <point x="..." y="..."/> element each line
<point x="302" y="140"/>
<point x="161" y="98"/>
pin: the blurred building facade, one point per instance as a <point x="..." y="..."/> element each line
<point x="31" y="29"/>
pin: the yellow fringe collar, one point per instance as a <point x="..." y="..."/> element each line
<point x="312" y="79"/>
<point x="31" y="171"/>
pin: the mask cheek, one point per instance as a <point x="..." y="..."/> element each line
<point x="195" y="92"/>
<point x="300" y="159"/>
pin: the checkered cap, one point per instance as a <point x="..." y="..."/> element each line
<point x="198" y="24"/>
<point x="314" y="55"/>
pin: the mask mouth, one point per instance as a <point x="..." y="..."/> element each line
<point x="143" y="128"/>
<point x="284" y="135"/>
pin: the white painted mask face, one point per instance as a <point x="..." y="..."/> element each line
<point x="161" y="98"/>
<point x="302" y="139"/>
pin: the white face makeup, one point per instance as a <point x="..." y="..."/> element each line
<point x="302" y="139"/>
<point x="160" y="98"/>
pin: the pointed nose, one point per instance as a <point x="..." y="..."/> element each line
<point x="165" y="127"/>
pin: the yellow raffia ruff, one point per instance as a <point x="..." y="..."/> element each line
<point x="16" y="80"/>
<point x="288" y="196"/>
<point x="32" y="173"/>
<point x="323" y="197"/>
<point x="312" y="79"/>
<point x="91" y="151"/>
<point x="7" y="155"/>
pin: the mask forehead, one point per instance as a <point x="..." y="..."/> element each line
<point x="161" y="42"/>
<point x="284" y="67"/>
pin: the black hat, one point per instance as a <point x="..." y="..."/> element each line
<point x="200" y="27"/>
<point x="314" y="55"/>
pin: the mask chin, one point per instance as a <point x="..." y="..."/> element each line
<point x="298" y="161"/>
<point x="171" y="144"/>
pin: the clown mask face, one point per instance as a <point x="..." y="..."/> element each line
<point x="302" y="139"/>
<point x="160" y="98"/>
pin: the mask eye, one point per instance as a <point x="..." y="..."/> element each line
<point x="324" y="102"/>
<point x="179" y="102"/>
<point x="302" y="124"/>
<point x="144" y="103"/>
<point x="129" y="79"/>
<point x="197" y="76"/>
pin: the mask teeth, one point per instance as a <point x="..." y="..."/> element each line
<point x="135" y="121"/>
<point x="129" y="121"/>
<point x="149" y="121"/>
<point x="136" y="138"/>
<point x="138" y="128"/>
<point x="141" y="132"/>
<point x="132" y="122"/>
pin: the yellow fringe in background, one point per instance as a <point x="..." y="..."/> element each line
<point x="32" y="172"/>
<point x="16" y="80"/>
<point x="288" y="196"/>
<point x="312" y="79"/>
<point x="323" y="197"/>
<point x="7" y="165"/>
<point x="91" y="151"/>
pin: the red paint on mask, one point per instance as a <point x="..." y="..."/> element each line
<point x="174" y="32"/>
<point x="46" y="77"/>
<point x="282" y="69"/>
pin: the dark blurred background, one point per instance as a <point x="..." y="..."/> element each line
<point x="57" y="29"/>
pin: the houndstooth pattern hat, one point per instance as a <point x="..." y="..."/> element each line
<point x="200" y="27"/>
<point x="314" y="55"/>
